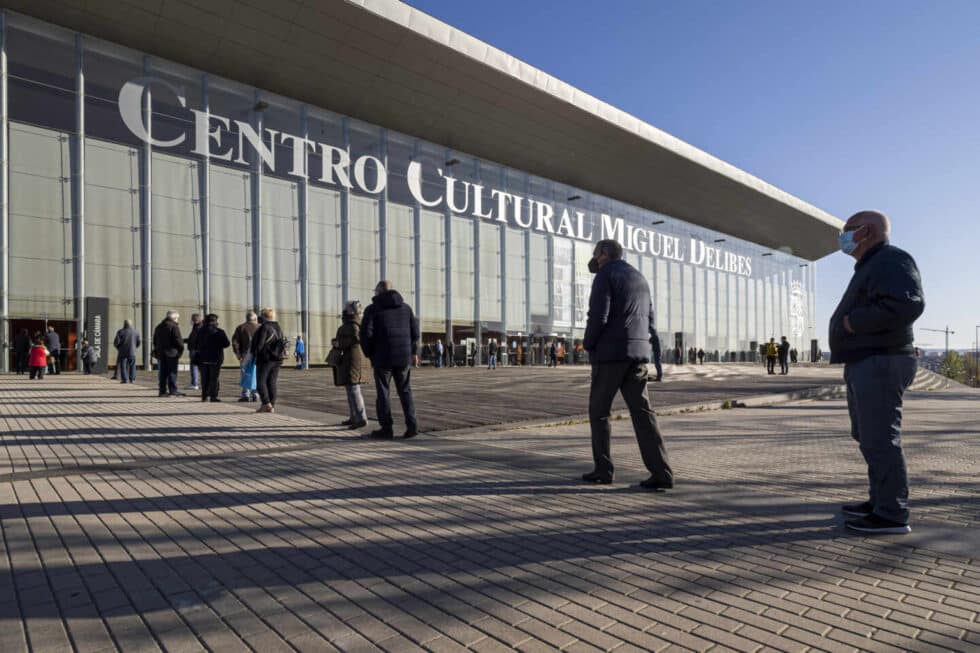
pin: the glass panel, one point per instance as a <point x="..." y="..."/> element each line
<point x="516" y="287"/>
<point x="41" y="278"/>
<point x="231" y="243"/>
<point x="462" y="270"/>
<point x="401" y="251"/>
<point x="280" y="252"/>
<point x="325" y="280"/>
<point x="365" y="257"/>
<point x="490" y="273"/>
<point x="432" y="310"/>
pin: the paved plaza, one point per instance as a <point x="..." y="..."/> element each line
<point x="137" y="523"/>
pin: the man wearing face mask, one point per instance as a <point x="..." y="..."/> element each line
<point x="871" y="333"/>
<point x="618" y="335"/>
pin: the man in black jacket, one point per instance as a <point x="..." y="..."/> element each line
<point x="617" y="336"/>
<point x="784" y="356"/>
<point x="167" y="347"/>
<point x="871" y="333"/>
<point x="390" y="337"/>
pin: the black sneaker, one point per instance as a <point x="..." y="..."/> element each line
<point x="356" y="425"/>
<point x="410" y="433"/>
<point x="875" y="525"/>
<point x="858" y="509"/>
<point x="380" y="434"/>
<point x="347" y="422"/>
<point x="213" y="399"/>
<point x="598" y="478"/>
<point x="653" y="485"/>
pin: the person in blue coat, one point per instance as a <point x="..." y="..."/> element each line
<point x="618" y="332"/>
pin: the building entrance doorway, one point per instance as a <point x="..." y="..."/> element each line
<point x="38" y="327"/>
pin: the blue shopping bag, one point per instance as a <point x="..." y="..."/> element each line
<point x="248" y="376"/>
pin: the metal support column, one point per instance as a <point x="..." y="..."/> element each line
<point x="204" y="205"/>
<point x="527" y="292"/>
<point x="477" y="317"/>
<point x="345" y="224"/>
<point x="256" y="211"/>
<point x="448" y="258"/>
<point x="146" y="223"/>
<point x="78" y="196"/>
<point x="503" y="268"/>
<point x="4" y="206"/>
<point x="383" y="209"/>
<point x="417" y="244"/>
<point x="304" y="241"/>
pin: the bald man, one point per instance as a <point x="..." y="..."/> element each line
<point x="871" y="334"/>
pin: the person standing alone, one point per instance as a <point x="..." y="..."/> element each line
<point x="22" y="350"/>
<point x="126" y="342"/>
<point x="492" y="354"/>
<point x="390" y="337"/>
<point x="871" y="334"/>
<point x="617" y="336"/>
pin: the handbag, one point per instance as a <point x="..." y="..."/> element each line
<point x="335" y="357"/>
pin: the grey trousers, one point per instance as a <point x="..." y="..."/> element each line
<point x="629" y="378"/>
<point x="875" y="387"/>
<point x="355" y="403"/>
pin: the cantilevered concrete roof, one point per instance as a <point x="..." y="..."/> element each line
<point x="384" y="62"/>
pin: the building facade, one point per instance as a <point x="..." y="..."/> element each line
<point x="140" y="185"/>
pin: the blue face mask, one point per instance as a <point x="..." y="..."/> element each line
<point x="846" y="241"/>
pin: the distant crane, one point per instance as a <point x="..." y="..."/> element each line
<point x="946" y="331"/>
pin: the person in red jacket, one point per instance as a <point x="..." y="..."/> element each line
<point x="38" y="359"/>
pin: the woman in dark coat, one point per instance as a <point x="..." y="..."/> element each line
<point x="210" y="343"/>
<point x="22" y="350"/>
<point x="350" y="372"/>
<point x="269" y="349"/>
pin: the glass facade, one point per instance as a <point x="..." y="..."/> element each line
<point x="159" y="221"/>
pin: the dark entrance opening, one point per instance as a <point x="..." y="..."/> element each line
<point x="38" y="327"/>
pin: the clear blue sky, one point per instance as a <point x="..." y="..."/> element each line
<point x="848" y="105"/>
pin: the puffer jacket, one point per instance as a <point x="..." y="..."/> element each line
<point x="882" y="302"/>
<point x="351" y="369"/>
<point x="389" y="331"/>
<point x="620" y="322"/>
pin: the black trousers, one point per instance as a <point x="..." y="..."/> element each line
<point x="630" y="379"/>
<point x="168" y="375"/>
<point x="209" y="380"/>
<point x="267" y="381"/>
<point x="783" y="365"/>
<point x="771" y="364"/>
<point x="382" y="382"/>
<point x="37" y="372"/>
<point x="20" y="361"/>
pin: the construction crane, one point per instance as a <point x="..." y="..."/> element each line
<point x="946" y="331"/>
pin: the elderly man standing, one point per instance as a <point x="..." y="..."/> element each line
<point x="390" y="338"/>
<point x="871" y="333"/>
<point x="618" y="334"/>
<point x="241" y="341"/>
<point x="126" y="342"/>
<point x="167" y="347"/>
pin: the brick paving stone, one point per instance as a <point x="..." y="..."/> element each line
<point x="215" y="528"/>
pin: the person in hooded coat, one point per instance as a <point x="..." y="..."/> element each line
<point x="350" y="372"/>
<point x="389" y="338"/>
<point x="211" y="342"/>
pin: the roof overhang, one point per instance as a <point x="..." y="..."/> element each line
<point x="385" y="62"/>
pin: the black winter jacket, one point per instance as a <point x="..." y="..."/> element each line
<point x="389" y="331"/>
<point x="882" y="301"/>
<point x="267" y="333"/>
<point x="620" y="323"/>
<point x="211" y="343"/>
<point x="167" y="342"/>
